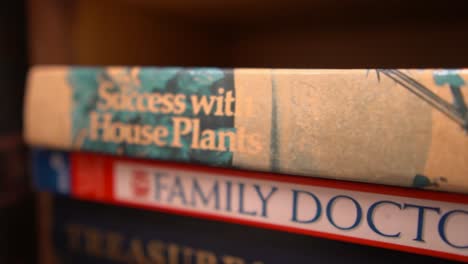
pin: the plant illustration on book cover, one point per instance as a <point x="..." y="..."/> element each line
<point x="146" y="112"/>
<point x="457" y="111"/>
<point x="403" y="127"/>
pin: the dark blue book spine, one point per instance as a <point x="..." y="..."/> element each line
<point x="85" y="232"/>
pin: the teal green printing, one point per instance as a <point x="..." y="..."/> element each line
<point x="201" y="81"/>
<point x="455" y="82"/>
<point x="156" y="79"/>
<point x="85" y="96"/>
<point x="421" y="181"/>
<point x="218" y="157"/>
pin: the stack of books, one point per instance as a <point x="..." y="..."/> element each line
<point x="237" y="166"/>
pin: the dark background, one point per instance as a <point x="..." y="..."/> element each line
<point x="230" y="33"/>
<point x="250" y="33"/>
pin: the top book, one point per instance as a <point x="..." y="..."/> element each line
<point x="405" y="127"/>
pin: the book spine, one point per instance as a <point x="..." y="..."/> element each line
<point x="84" y="232"/>
<point x="396" y="127"/>
<point x="424" y="222"/>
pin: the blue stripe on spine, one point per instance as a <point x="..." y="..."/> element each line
<point x="51" y="170"/>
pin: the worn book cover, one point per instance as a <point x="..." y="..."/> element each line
<point x="388" y="126"/>
<point x="83" y="232"/>
<point x="416" y="221"/>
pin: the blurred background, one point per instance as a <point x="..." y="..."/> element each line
<point x="230" y="33"/>
<point x="249" y="33"/>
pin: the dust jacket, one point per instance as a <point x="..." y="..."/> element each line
<point x="388" y="126"/>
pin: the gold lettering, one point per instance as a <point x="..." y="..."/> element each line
<point x="205" y="257"/>
<point x="111" y="245"/>
<point x="195" y="134"/>
<point x="182" y="126"/>
<point x="110" y="101"/>
<point x="136" y="251"/>
<point x="96" y="125"/>
<point x="73" y="236"/>
<point x="155" y="250"/>
<point x="180" y="104"/>
<point x="228" y="104"/>
<point x="187" y="255"/>
<point x="131" y="101"/>
<point x="153" y="102"/>
<point x="222" y="140"/>
<point x="208" y="140"/>
<point x="173" y="254"/>
<point x="117" y="132"/>
<point x="167" y="103"/>
<point x="132" y="135"/>
<point x="93" y="242"/>
<point x="126" y="102"/>
<point x="159" y="135"/>
<point x="202" y="102"/>
<point x="232" y="260"/>
<point x="146" y="136"/>
<point x="219" y="103"/>
<point x="140" y="103"/>
<point x="115" y="246"/>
